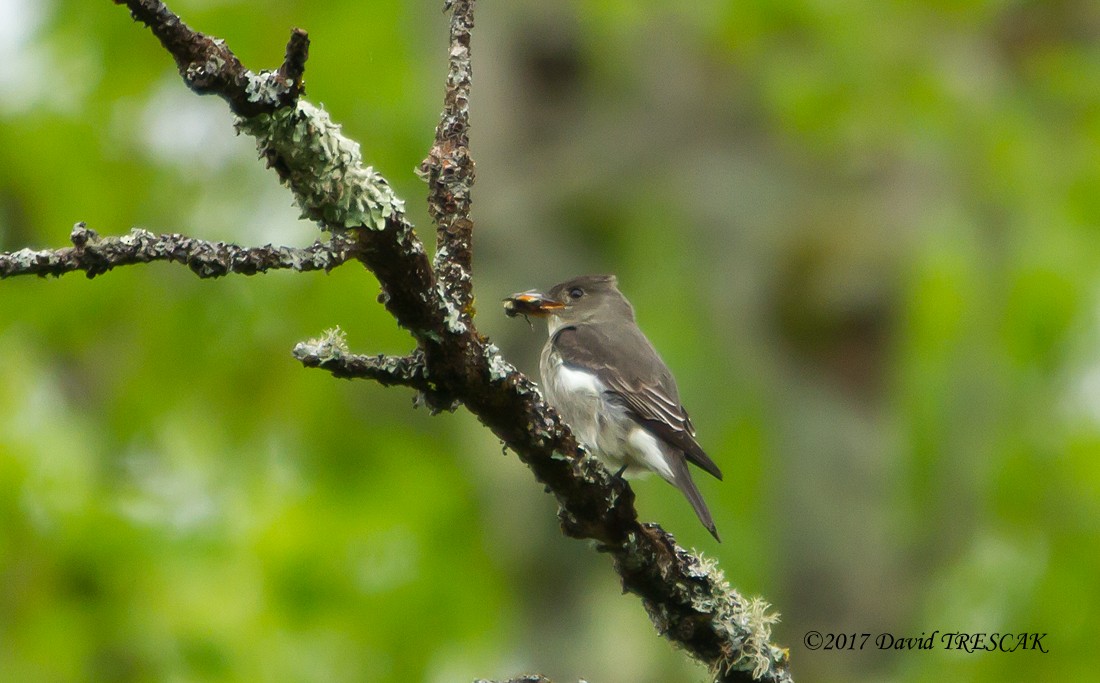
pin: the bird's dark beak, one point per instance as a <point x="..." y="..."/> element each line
<point x="531" y="302"/>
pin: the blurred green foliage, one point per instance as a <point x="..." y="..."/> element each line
<point x="863" y="234"/>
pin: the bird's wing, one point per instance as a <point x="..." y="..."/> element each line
<point x="643" y="383"/>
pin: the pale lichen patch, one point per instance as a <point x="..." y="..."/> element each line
<point x="452" y="317"/>
<point x="499" y="369"/>
<point x="331" y="345"/>
<point x="323" y="167"/>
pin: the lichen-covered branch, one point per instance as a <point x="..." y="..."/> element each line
<point x="95" y="255"/>
<point x="330" y="352"/>
<point x="449" y="168"/>
<point x="686" y="596"/>
<point x="209" y="67"/>
<point x="324" y="169"/>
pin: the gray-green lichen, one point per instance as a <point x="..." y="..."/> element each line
<point x="323" y="167"/>
<point x="135" y="236"/>
<point x="26" y="257"/>
<point x="199" y="71"/>
<point x="746" y="624"/>
<point x="331" y="345"/>
<point x="441" y="256"/>
<point x="499" y="369"/>
<point x="452" y="316"/>
<point x="265" y="86"/>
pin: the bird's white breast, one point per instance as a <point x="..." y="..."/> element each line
<point x="603" y="425"/>
<point x="577" y="395"/>
<point x="578" y="382"/>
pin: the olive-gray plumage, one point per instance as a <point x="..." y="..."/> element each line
<point x="612" y="388"/>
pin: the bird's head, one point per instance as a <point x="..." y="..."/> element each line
<point x="582" y="299"/>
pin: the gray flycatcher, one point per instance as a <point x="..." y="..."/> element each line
<point x="608" y="383"/>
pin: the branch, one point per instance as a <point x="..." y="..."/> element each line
<point x="96" y="255"/>
<point x="449" y="168"/>
<point x="330" y="352"/>
<point x="686" y="596"/>
<point x="209" y="67"/>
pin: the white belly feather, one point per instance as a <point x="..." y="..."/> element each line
<point x="602" y="425"/>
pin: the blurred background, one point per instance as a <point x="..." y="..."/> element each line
<point x="864" y="235"/>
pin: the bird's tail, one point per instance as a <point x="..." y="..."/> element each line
<point x="683" y="481"/>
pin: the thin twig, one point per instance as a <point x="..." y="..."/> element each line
<point x="95" y="255"/>
<point x="208" y="66"/>
<point x="330" y="352"/>
<point x="449" y="168"/>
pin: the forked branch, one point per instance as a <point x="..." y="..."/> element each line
<point x="686" y="596"/>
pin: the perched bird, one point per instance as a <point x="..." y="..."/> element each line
<point x="606" y="380"/>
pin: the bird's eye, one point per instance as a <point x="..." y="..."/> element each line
<point x="576" y="293"/>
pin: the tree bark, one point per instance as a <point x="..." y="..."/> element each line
<point x="687" y="597"/>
